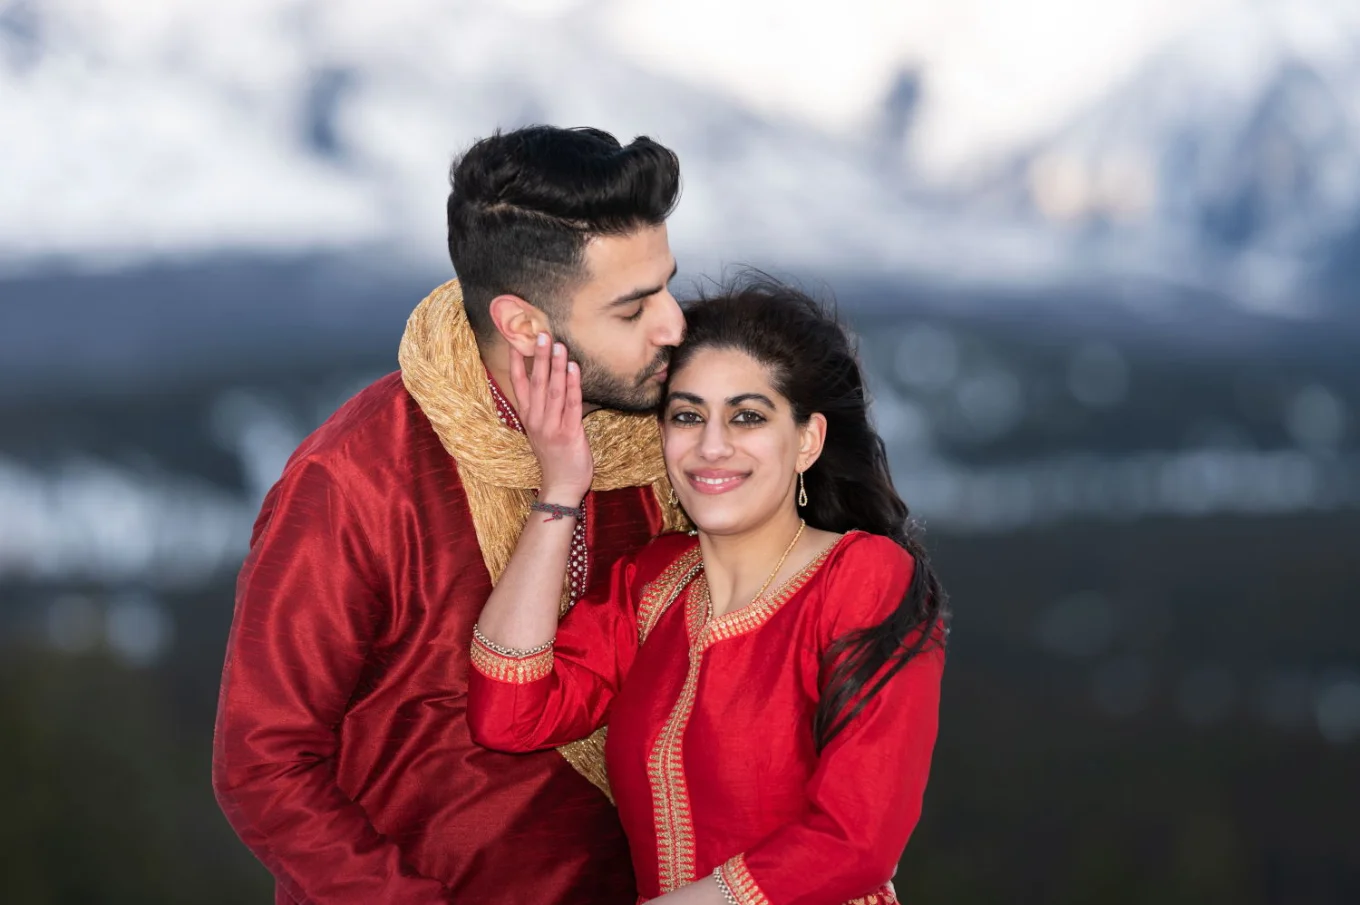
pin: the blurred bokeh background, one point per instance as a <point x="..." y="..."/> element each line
<point x="1104" y="258"/>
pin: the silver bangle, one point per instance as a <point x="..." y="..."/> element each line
<point x="723" y="887"/>
<point x="517" y="653"/>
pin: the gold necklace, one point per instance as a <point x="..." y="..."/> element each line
<point x="802" y="523"/>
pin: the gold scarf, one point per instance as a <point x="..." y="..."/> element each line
<point x="442" y="369"/>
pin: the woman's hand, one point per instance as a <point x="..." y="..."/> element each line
<point x="550" y="410"/>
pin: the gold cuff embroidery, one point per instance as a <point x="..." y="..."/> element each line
<point x="734" y="877"/>
<point x="740" y="882"/>
<point x="512" y="670"/>
<point x="884" y="896"/>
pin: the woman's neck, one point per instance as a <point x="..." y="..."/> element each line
<point x="738" y="565"/>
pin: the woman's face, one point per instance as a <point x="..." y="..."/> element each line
<point x="733" y="450"/>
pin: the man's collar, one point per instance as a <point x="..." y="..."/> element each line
<point x="504" y="410"/>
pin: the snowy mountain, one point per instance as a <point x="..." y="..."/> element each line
<point x="1228" y="165"/>
<point x="284" y="125"/>
<point x="1232" y="158"/>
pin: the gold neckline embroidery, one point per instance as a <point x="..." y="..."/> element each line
<point x="662" y="591"/>
<point x="758" y="612"/>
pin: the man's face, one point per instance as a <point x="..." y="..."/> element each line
<point x="624" y="322"/>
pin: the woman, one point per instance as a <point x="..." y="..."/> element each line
<point x="770" y="682"/>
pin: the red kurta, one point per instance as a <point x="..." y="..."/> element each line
<point x="710" y="751"/>
<point x="342" y="756"/>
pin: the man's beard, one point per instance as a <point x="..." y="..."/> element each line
<point x="600" y="387"/>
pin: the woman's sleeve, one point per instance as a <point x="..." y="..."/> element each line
<point x="563" y="694"/>
<point x="865" y="795"/>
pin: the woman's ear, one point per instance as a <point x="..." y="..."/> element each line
<point x="811" y="440"/>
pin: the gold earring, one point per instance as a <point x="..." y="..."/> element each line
<point x="802" y="490"/>
<point x="672" y="498"/>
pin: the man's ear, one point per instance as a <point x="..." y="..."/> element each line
<point x="518" y="323"/>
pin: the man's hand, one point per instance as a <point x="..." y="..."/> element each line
<point x="550" y="410"/>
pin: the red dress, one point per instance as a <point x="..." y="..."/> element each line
<point x="710" y="751"/>
<point x="342" y="755"/>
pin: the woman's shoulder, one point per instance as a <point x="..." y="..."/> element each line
<point x="665" y="553"/>
<point x="864" y="579"/>
<point x="671" y="543"/>
<point x="861" y="549"/>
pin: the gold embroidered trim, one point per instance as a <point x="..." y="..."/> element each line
<point x="739" y="880"/>
<point x="660" y="592"/>
<point x="671" y="813"/>
<point x="749" y="618"/>
<point x="442" y="369"/>
<point x="885" y="896"/>
<point x="747" y="891"/>
<point x="513" y="670"/>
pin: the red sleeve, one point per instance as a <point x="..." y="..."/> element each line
<point x="864" y="798"/>
<point x="563" y="694"/>
<point x="306" y="610"/>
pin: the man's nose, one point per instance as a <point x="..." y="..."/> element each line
<point x="671" y="323"/>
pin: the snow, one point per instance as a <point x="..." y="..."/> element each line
<point x="131" y="131"/>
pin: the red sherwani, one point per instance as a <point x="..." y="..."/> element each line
<point x="342" y="756"/>
<point x="710" y="752"/>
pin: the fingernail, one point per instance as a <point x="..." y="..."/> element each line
<point x="571" y="367"/>
<point x="557" y="350"/>
<point x="542" y="339"/>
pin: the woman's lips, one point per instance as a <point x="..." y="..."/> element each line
<point x="715" y="482"/>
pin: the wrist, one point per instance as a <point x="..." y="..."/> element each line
<point x="562" y="495"/>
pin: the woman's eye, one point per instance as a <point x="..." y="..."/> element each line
<point x="748" y="417"/>
<point x="685" y="418"/>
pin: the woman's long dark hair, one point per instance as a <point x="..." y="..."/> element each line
<point x="813" y="364"/>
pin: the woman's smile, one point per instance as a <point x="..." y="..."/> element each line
<point x="716" y="480"/>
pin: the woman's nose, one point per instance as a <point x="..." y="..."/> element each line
<point x="715" y="443"/>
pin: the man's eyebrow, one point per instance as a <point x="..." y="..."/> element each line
<point x="639" y="294"/>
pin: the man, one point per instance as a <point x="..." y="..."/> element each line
<point x="342" y="757"/>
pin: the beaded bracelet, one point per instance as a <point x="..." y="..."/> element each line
<point x="723" y="887"/>
<point x="517" y="653"/>
<point x="557" y="511"/>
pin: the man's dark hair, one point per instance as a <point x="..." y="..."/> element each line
<point x="523" y="205"/>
